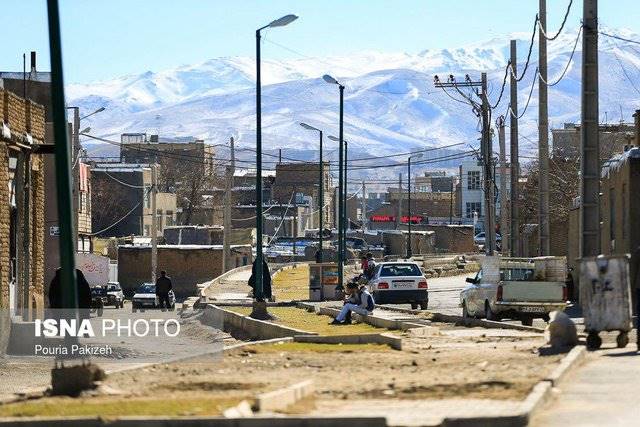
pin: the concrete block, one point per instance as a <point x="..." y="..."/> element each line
<point x="536" y="398"/>
<point x="280" y="399"/>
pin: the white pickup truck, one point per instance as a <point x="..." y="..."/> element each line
<point x="518" y="290"/>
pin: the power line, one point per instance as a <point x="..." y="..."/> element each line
<point x="504" y="82"/>
<point x="619" y="38"/>
<point x="564" y="21"/>
<point x="510" y="111"/>
<point x="575" y="45"/>
<point x="526" y="64"/>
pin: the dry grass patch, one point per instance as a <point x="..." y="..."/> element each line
<point x="301" y="319"/>
<point x="292" y="284"/>
<point x="300" y="347"/>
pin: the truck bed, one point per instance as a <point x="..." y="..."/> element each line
<point x="532" y="291"/>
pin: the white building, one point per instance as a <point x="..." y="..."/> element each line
<point x="472" y="197"/>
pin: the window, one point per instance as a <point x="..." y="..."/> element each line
<point x="400" y="270"/>
<point x="473" y="180"/>
<point x="516" y="274"/>
<point x="472" y="207"/>
<point x="147" y="196"/>
<point x="169" y="219"/>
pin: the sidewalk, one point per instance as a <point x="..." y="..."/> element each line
<point x="604" y="391"/>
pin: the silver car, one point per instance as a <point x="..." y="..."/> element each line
<point x="145" y="297"/>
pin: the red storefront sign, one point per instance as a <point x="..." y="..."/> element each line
<point x="415" y="219"/>
<point x="383" y="218"/>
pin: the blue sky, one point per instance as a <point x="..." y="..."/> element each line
<point x="109" y="38"/>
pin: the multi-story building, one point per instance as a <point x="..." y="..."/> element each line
<point x="123" y="192"/>
<point x="304" y="179"/>
<point x="472" y="191"/>
<point x="22" y="197"/>
<point x="435" y="182"/>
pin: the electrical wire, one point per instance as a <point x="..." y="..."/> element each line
<point x="619" y="38"/>
<point x="564" y="21"/>
<point x="510" y="111"/>
<point x="575" y="45"/>
<point x="504" y="83"/>
<point x="526" y="64"/>
<point x="123" y="218"/>
<point x="122" y="182"/>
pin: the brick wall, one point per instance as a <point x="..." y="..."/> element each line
<point x="37" y="230"/>
<point x="37" y="121"/>
<point x="4" y="226"/>
<point x="16" y="113"/>
<point x="453" y="238"/>
<point x="187" y="266"/>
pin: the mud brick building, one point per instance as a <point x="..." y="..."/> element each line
<point x="304" y="179"/>
<point x="22" y="197"/>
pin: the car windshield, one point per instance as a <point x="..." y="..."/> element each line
<point x="97" y="291"/>
<point x="398" y="270"/>
<point x="147" y="288"/>
<point x="113" y="288"/>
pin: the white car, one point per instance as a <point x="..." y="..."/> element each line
<point x="480" y="238"/>
<point x="399" y="283"/>
<point x="145" y="297"/>
<point x="115" y="296"/>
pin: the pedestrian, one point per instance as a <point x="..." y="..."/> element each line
<point x="363" y="304"/>
<point x="371" y="266"/>
<point x="163" y="286"/>
<point x="266" y="281"/>
<point x="364" y="263"/>
<point x="82" y="286"/>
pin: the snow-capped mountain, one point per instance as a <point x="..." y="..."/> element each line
<point x="391" y="104"/>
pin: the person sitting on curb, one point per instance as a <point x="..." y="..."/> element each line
<point x="364" y="305"/>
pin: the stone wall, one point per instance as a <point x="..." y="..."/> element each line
<point x="37" y="288"/>
<point x="453" y="238"/>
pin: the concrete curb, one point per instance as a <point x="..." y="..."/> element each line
<point x="571" y="361"/>
<point x="452" y="318"/>
<point x="254" y="328"/>
<point x="378" y="322"/>
<point x="297" y="421"/>
<point x="278" y="400"/>
<point x="391" y="340"/>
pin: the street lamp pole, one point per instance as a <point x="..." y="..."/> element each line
<point x="259" y="289"/>
<point x="415" y="156"/>
<point x="320" y="194"/>
<point x="327" y="78"/>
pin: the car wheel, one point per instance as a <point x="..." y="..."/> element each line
<point x="414" y="306"/>
<point x="527" y="321"/>
<point x="424" y="305"/>
<point x="465" y="311"/>
<point x="488" y="313"/>
<point x="133" y="308"/>
<point x="172" y="307"/>
<point x="100" y="311"/>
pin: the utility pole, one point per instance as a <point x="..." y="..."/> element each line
<point x="154" y="222"/>
<point x="75" y="170"/>
<point x="399" y="201"/>
<point x="514" y="235"/>
<point x="636" y="121"/>
<point x="543" y="135"/>
<point x="503" y="187"/>
<point x="363" y="215"/>
<point x="226" y="232"/>
<point x="487" y="158"/>
<point x="347" y="222"/>
<point x="590" y="145"/>
<point x="451" y="202"/>
<point x="481" y="110"/>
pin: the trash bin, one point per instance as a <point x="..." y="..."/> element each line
<point x="605" y="297"/>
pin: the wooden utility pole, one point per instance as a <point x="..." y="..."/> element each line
<point x="590" y="145"/>
<point x="514" y="234"/>
<point x="154" y="222"/>
<point x="226" y="219"/>
<point x="504" y="222"/>
<point x="636" y="121"/>
<point x="543" y="135"/>
<point x="488" y="181"/>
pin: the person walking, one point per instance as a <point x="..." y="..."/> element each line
<point x="163" y="286"/>
<point x="266" y="281"/>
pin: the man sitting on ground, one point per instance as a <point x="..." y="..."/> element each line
<point x="364" y="305"/>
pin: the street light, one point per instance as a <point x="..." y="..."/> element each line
<point x="415" y="156"/>
<point x="341" y="184"/>
<point x="99" y="110"/>
<point x="259" y="290"/>
<point x="347" y="224"/>
<point x="320" y="192"/>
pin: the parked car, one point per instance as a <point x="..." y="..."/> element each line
<point x="399" y="283"/>
<point x="145" y="297"/>
<point x="115" y="296"/>
<point x="480" y="238"/>
<point x="515" y="295"/>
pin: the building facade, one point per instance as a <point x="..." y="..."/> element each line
<point x="613" y="138"/>
<point x="472" y="192"/>
<point x="22" y="195"/>
<point x="123" y="192"/>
